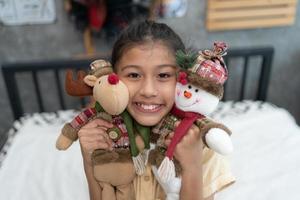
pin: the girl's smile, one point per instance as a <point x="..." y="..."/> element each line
<point x="148" y="108"/>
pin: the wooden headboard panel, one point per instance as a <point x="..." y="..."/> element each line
<point x="10" y="70"/>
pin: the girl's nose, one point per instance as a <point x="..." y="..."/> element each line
<point x="148" y="88"/>
<point x="187" y="94"/>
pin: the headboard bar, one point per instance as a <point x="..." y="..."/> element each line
<point x="265" y="74"/>
<point x="46" y="65"/>
<point x="13" y="93"/>
<point x="245" y="71"/>
<point x="59" y="90"/>
<point x="38" y="91"/>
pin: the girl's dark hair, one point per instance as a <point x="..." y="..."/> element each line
<point x="142" y="32"/>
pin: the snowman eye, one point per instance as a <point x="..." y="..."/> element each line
<point x="190" y="87"/>
<point x="196" y="90"/>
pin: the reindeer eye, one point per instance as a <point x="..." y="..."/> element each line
<point x="190" y="87"/>
<point x="196" y="90"/>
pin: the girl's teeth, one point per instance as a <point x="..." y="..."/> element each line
<point x="148" y="107"/>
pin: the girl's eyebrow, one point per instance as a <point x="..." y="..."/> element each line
<point x="167" y="65"/>
<point x="130" y="66"/>
<point x="138" y="66"/>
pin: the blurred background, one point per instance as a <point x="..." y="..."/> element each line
<point x="36" y="30"/>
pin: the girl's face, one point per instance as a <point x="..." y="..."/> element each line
<point x="149" y="71"/>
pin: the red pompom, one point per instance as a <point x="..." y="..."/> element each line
<point x="183" y="82"/>
<point x="182" y="78"/>
<point x="113" y="79"/>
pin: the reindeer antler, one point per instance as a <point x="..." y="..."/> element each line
<point x="77" y="87"/>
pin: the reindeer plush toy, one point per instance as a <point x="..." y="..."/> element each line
<point x="117" y="168"/>
<point x="198" y="91"/>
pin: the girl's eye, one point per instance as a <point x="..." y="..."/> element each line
<point x="190" y="87"/>
<point x="164" y="75"/>
<point x="133" y="75"/>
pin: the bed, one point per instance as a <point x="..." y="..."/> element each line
<point x="265" y="161"/>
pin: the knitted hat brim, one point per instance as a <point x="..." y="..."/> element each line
<point x="206" y="84"/>
<point x="102" y="71"/>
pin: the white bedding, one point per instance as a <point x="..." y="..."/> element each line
<point x="266" y="159"/>
<point x="34" y="170"/>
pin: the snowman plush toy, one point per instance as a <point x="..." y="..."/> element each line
<point x="198" y="91"/>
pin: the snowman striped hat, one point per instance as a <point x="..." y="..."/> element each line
<point x="207" y="70"/>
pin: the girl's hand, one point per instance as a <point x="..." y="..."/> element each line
<point x="189" y="150"/>
<point x="93" y="136"/>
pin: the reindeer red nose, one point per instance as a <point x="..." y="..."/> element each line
<point x="113" y="79"/>
<point x="187" y="94"/>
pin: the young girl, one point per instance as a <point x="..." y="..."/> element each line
<point x="144" y="59"/>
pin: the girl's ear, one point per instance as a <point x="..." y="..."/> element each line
<point x="90" y="80"/>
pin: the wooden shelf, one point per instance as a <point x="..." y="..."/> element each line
<point x="246" y="14"/>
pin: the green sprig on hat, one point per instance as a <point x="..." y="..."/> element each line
<point x="186" y="59"/>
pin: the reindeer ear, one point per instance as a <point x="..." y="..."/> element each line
<point x="90" y="80"/>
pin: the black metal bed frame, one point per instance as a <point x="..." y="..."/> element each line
<point x="266" y="53"/>
<point x="10" y="70"/>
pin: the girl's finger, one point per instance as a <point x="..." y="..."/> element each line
<point x="99" y="137"/>
<point x="98" y="145"/>
<point x="167" y="142"/>
<point x="91" y="131"/>
<point x="194" y="131"/>
<point x="168" y="138"/>
<point x="102" y="123"/>
<point x="91" y="124"/>
<point x="91" y="146"/>
<point x="177" y="123"/>
<point x="102" y="145"/>
<point x="98" y="123"/>
<point x="170" y="135"/>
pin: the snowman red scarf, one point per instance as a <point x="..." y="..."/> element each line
<point x="187" y="120"/>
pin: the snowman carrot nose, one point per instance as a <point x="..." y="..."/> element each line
<point x="187" y="94"/>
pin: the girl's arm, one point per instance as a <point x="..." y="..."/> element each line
<point x="93" y="136"/>
<point x="189" y="153"/>
<point x="191" y="184"/>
